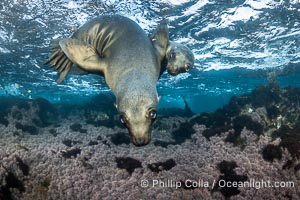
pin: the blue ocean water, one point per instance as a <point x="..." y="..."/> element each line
<point x="238" y="45"/>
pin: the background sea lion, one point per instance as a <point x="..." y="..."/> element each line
<point x="119" y="49"/>
<point x="178" y="59"/>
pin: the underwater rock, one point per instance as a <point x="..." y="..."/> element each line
<point x="7" y="102"/>
<point x="164" y="144"/>
<point x="47" y="113"/>
<point x="227" y="167"/>
<point x="100" y="111"/>
<point x="67" y="142"/>
<point x="165" y="125"/>
<point x="103" y="140"/>
<point x="215" y="131"/>
<point x="229" y="175"/>
<point x="44" y="185"/>
<point x="16" y="114"/>
<point x="266" y="108"/>
<point x="216" y="123"/>
<point x="216" y="119"/>
<point x="53" y="132"/>
<point x="238" y="125"/>
<point x="23" y="105"/>
<point x="127" y="163"/>
<point x="246" y="121"/>
<point x="83" y="130"/>
<point x="272" y="111"/>
<point x="11" y="182"/>
<point x="292" y="144"/>
<point x="70" y="143"/>
<point x="103" y="103"/>
<point x="93" y="177"/>
<point x="297" y="171"/>
<point x="91" y="143"/>
<point x="76" y="127"/>
<point x="288" y="164"/>
<point x="161" y="166"/>
<point x="27" y="128"/>
<point x="3" y="120"/>
<point x="172" y="112"/>
<point x="109" y="123"/>
<point x="287" y="129"/>
<point x="265" y="95"/>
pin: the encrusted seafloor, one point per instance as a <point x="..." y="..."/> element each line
<point x="81" y="152"/>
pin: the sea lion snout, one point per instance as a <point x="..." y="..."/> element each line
<point x="141" y="141"/>
<point x="138" y="121"/>
<point x="173" y="70"/>
<point x="140" y="133"/>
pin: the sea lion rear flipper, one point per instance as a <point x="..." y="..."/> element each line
<point x="160" y="39"/>
<point x="83" y="55"/>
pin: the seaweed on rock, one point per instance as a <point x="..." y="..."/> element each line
<point x="12" y="181"/>
<point x="120" y="138"/>
<point x="71" y="153"/>
<point x="22" y="166"/>
<point x="27" y="128"/>
<point x="127" y="163"/>
<point x="271" y="152"/>
<point x="228" y="175"/>
<point x="292" y="144"/>
<point x="70" y="143"/>
<point x="185" y="131"/>
<point x="161" y="166"/>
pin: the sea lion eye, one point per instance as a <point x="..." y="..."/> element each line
<point x="172" y="55"/>
<point x="122" y="120"/>
<point x="187" y="67"/>
<point x="153" y="115"/>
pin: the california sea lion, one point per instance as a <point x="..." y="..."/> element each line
<point x="119" y="49"/>
<point x="178" y="59"/>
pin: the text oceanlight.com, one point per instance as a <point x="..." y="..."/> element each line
<point x="252" y="183"/>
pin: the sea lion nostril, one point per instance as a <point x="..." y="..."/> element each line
<point x="140" y="141"/>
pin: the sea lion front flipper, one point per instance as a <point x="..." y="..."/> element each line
<point x="83" y="55"/>
<point x="75" y="70"/>
<point x="160" y="39"/>
<point x="59" y="61"/>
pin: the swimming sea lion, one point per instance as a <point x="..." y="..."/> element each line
<point x="119" y="49"/>
<point x="178" y="59"/>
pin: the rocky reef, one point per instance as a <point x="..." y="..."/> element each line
<point x="82" y="152"/>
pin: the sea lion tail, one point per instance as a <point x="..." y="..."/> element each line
<point x="59" y="61"/>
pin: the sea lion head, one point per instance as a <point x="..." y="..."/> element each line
<point x="137" y="114"/>
<point x="180" y="59"/>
